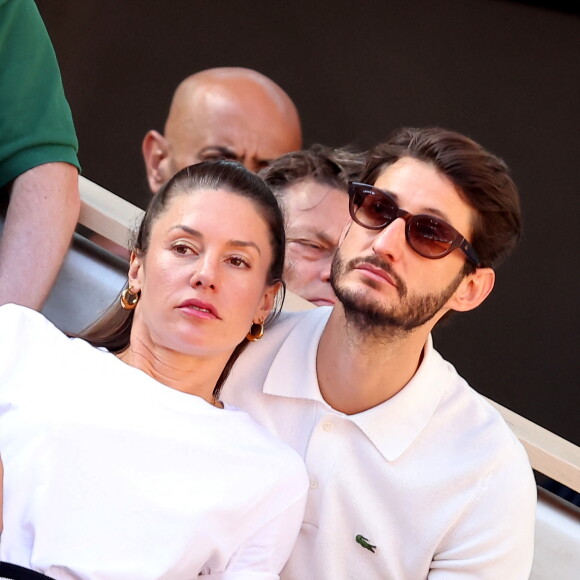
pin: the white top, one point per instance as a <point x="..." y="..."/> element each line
<point x="433" y="483"/>
<point x="109" y="474"/>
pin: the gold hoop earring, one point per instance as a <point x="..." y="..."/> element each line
<point x="256" y="331"/>
<point x="129" y="299"/>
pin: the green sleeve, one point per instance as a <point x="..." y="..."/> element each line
<point x="36" y="124"/>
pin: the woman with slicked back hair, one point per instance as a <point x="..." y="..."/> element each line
<point x="120" y="461"/>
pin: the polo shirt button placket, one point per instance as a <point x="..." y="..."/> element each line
<point x="321" y="452"/>
<point x="327" y="427"/>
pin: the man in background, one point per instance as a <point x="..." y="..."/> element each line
<point x="312" y="188"/>
<point x="223" y="113"/>
<point x="39" y="167"/>
<point x="219" y="113"/>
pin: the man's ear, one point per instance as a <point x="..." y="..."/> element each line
<point x="473" y="290"/>
<point x="135" y="273"/>
<point x="155" y="153"/>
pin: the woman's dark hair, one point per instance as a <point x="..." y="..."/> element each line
<point x="481" y="178"/>
<point x="113" y="329"/>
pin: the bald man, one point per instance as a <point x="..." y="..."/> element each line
<point x="219" y="113"/>
<point x="223" y="113"/>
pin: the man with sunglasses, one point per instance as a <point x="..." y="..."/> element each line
<point x="413" y="474"/>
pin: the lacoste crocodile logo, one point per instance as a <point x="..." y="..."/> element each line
<point x="365" y="543"/>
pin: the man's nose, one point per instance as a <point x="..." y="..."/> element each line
<point x="325" y="266"/>
<point x="390" y="242"/>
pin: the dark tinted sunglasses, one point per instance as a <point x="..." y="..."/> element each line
<point x="429" y="236"/>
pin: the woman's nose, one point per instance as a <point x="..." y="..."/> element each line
<point x="204" y="274"/>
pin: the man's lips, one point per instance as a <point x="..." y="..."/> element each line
<point x="376" y="272"/>
<point x="204" y="309"/>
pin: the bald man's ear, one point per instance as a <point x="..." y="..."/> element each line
<point x="155" y="154"/>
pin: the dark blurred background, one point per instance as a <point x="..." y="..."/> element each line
<point x="505" y="73"/>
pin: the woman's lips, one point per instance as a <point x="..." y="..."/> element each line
<point x="199" y="308"/>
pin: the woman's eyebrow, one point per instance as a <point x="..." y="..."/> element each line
<point x="233" y="243"/>
<point x="187" y="229"/>
<point x="243" y="244"/>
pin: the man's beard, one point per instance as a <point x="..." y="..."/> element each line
<point x="370" y="316"/>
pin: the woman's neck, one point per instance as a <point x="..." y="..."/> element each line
<point x="196" y="375"/>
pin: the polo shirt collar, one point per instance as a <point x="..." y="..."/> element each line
<point x="391" y="426"/>
<point x="293" y="371"/>
<point x="394" y="425"/>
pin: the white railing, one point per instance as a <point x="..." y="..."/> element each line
<point x="549" y="454"/>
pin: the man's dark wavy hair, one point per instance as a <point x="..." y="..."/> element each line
<point x="482" y="180"/>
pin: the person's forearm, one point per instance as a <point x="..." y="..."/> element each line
<point x="40" y="221"/>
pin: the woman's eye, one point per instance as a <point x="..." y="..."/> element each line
<point x="182" y="249"/>
<point x="239" y="262"/>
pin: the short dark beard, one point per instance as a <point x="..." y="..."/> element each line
<point x="383" y="320"/>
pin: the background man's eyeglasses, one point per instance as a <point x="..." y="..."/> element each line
<point x="429" y="236"/>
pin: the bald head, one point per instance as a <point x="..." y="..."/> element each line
<point x="223" y="113"/>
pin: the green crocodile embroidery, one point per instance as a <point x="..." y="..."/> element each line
<point x="365" y="543"/>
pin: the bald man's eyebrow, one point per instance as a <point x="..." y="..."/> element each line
<point x="223" y="152"/>
<point x="232" y="243"/>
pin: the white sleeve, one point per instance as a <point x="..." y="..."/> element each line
<point x="495" y="537"/>
<point x="264" y="554"/>
<point x="22" y="331"/>
<point x="13" y="339"/>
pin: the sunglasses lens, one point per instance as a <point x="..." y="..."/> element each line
<point x="375" y="209"/>
<point x="430" y="237"/>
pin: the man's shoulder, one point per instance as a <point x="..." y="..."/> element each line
<point x="288" y="323"/>
<point x="473" y="418"/>
<point x="289" y="319"/>
<point x="285" y="341"/>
